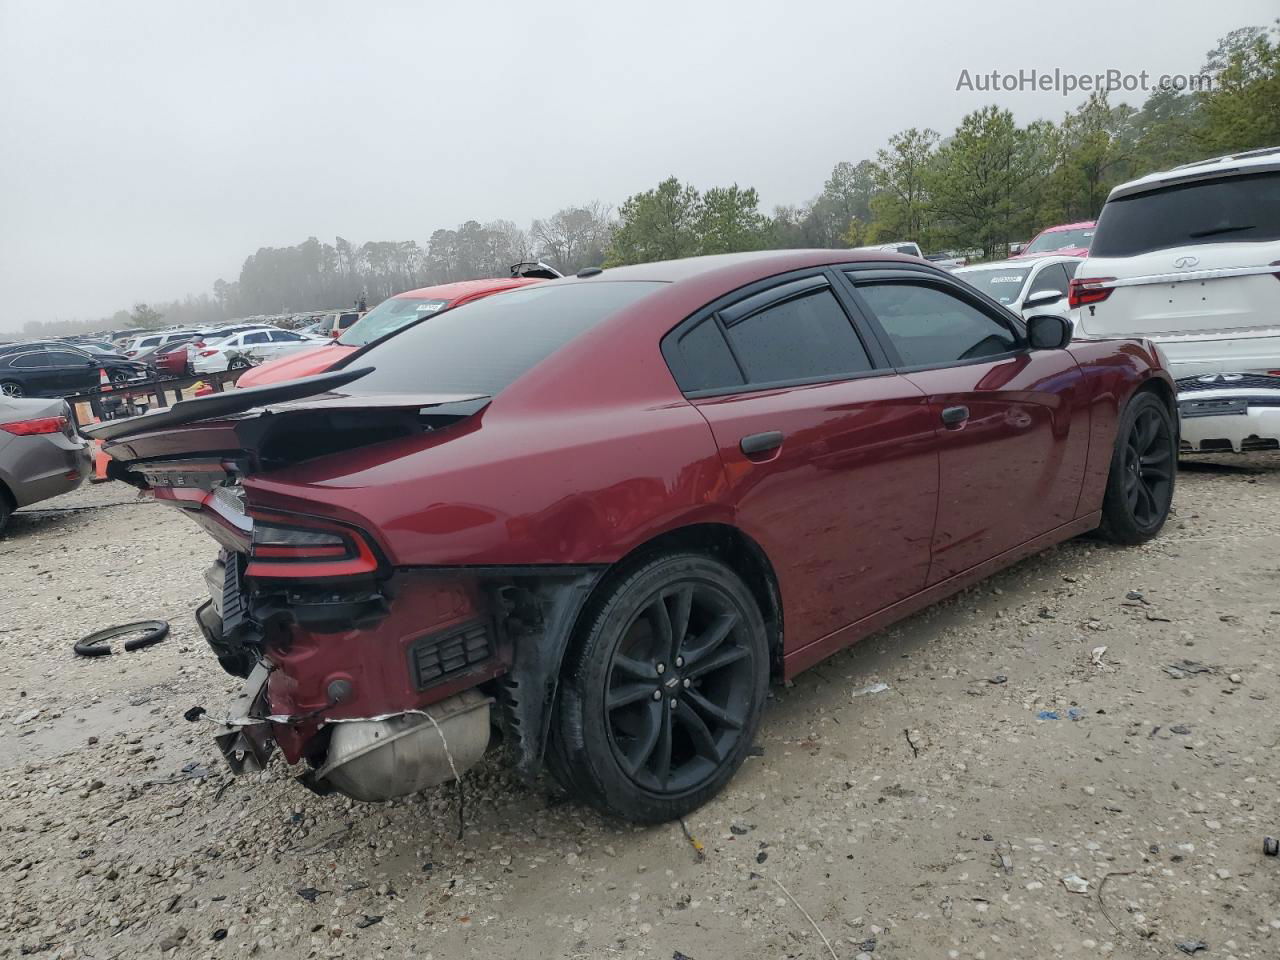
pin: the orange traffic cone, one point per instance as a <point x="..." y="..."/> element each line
<point x="104" y="382"/>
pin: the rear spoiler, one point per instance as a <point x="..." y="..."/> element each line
<point x="225" y="404"/>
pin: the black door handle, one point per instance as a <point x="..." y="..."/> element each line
<point x="954" y="416"/>
<point x="760" y="442"/>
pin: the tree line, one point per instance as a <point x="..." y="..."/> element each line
<point x="988" y="183"/>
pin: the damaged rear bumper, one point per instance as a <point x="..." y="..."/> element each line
<point x="388" y="688"/>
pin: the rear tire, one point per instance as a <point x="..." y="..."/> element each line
<point x="1144" y="465"/>
<point x="6" y="508"/>
<point x="662" y="690"/>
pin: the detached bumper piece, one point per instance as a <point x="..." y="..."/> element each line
<point x="245" y="739"/>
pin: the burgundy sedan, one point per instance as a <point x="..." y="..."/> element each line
<point x="595" y="517"/>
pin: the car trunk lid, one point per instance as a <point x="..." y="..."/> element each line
<point x="1202" y="292"/>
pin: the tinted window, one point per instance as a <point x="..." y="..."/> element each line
<point x="700" y="359"/>
<point x="931" y="326"/>
<point x="803" y="338"/>
<point x="284" y="336"/>
<point x="32" y="360"/>
<point x="256" y="338"/>
<point x="65" y="358"/>
<point x="1050" y="278"/>
<point x="148" y="342"/>
<point x="1229" y="210"/>
<point x="1002" y="284"/>
<point x="485" y="345"/>
<point x="347" y="319"/>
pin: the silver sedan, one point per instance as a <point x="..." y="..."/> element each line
<point x="41" y="455"/>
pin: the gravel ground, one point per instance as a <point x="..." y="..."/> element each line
<point x="946" y="816"/>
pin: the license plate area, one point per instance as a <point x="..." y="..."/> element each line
<point x="1215" y="407"/>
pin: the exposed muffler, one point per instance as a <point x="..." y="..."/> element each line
<point x="395" y="756"/>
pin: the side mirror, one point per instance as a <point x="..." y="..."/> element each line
<point x="1042" y="298"/>
<point x="1016" y="248"/>
<point x="1048" y="332"/>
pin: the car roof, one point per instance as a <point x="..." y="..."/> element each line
<point x="1235" y="164"/>
<point x="756" y="265"/>
<point x="1028" y="261"/>
<point x="1082" y="225"/>
<point x="466" y="288"/>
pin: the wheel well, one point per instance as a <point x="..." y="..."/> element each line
<point x="1165" y="393"/>
<point x="7" y="496"/>
<point x="1163" y="390"/>
<point x="738" y="551"/>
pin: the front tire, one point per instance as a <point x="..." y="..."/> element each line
<point x="1143" y="467"/>
<point x="662" y="690"/>
<point x="11" y="388"/>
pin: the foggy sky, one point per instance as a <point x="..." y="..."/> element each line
<point x="146" y="148"/>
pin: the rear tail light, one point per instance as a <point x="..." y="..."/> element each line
<point x="208" y="353"/>
<point x="1084" y="290"/>
<point x="299" y="547"/>
<point x="31" y="428"/>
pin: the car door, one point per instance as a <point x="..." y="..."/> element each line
<point x="1013" y="421"/>
<point x="1047" y="292"/>
<point x="72" y="371"/>
<point x="256" y="346"/>
<point x="284" y="342"/>
<point x="830" y="457"/>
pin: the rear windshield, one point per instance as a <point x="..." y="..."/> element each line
<point x="1228" y="210"/>
<point x="483" y="346"/>
<point x="387" y="317"/>
<point x="1078" y="238"/>
<point x="1002" y="285"/>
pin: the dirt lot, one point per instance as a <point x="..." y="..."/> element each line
<point x="937" y="818"/>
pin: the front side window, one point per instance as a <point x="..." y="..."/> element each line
<point x="65" y="358"/>
<point x="1050" y="278"/>
<point x="284" y="336"/>
<point x="929" y="326"/>
<point x="256" y="338"/>
<point x="808" y="337"/>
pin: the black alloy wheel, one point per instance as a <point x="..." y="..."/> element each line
<point x="1140" y="487"/>
<point x="679" y="688"/>
<point x="663" y="689"/>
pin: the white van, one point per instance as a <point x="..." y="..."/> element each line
<point x="1190" y="259"/>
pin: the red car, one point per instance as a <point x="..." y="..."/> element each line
<point x="602" y="513"/>
<point x="1071" y="239"/>
<point x="389" y="315"/>
<point x="169" y="359"/>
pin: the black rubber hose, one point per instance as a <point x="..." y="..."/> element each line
<point x="95" y="644"/>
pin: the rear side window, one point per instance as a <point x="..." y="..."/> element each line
<point x="481" y="347"/>
<point x="32" y="360"/>
<point x="700" y="359"/>
<point x="808" y="337"/>
<point x="1227" y="210"/>
<point x="931" y="327"/>
<point x="256" y="338"/>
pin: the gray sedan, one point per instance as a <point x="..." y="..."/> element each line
<point x="41" y="455"/>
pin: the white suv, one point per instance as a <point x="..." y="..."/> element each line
<point x="1190" y="259"/>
